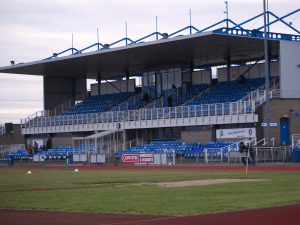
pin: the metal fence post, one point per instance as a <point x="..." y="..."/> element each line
<point x="283" y="158"/>
<point x="181" y="157"/>
<point x="108" y="157"/>
<point x="264" y="157"/>
<point x="160" y="159"/>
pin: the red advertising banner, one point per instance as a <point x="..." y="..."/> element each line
<point x="137" y="157"/>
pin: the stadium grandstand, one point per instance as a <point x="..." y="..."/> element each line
<point x="179" y="109"/>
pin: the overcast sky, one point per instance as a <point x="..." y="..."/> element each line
<point x="32" y="30"/>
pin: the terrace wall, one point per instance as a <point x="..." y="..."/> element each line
<point x="13" y="138"/>
<point x="203" y="136"/>
<point x="278" y="108"/>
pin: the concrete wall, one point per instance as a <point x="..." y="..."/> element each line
<point x="61" y="141"/>
<point x="106" y="88"/>
<point x="202" y="77"/>
<point x="13" y="138"/>
<point x="257" y="71"/>
<point x="203" y="136"/>
<point x="230" y="139"/>
<point x="58" y="90"/>
<point x="278" y="108"/>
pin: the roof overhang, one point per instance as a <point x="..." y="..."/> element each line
<point x="204" y="49"/>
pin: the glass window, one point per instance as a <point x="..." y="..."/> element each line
<point x="145" y="79"/>
<point x="178" y="79"/>
<point x="168" y="132"/>
<point x="158" y="84"/>
<point x="171" y="79"/>
<point x="160" y="133"/>
<point x="165" y="81"/>
<point x="176" y="132"/>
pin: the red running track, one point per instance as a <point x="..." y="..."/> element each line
<point x="196" y="168"/>
<point x="288" y="214"/>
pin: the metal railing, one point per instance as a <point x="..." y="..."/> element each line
<point x="259" y="93"/>
<point x="264" y="140"/>
<point x="296" y="141"/>
<point x="64" y="107"/>
<point x="136" y="98"/>
<point x="275" y="155"/>
<point x="193" y="111"/>
<point x="7" y="149"/>
<point x="244" y="106"/>
<point x="276" y="93"/>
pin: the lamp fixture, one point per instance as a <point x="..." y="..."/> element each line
<point x="12" y="62"/>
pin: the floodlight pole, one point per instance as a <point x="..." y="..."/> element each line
<point x="267" y="75"/>
<point x="190" y="22"/>
<point x="98" y="38"/>
<point x="268" y="16"/>
<point x="226" y="13"/>
<point x="126" y="31"/>
<point x="156" y="29"/>
<point x="72" y="43"/>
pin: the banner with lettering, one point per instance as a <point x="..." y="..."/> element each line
<point x="137" y="157"/>
<point x="236" y="133"/>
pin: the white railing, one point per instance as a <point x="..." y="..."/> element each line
<point x="64" y="107"/>
<point x="272" y="94"/>
<point x="264" y="140"/>
<point x="192" y="111"/>
<point x="246" y="105"/>
<point x="124" y="146"/>
<point x="7" y="149"/>
<point x="136" y="98"/>
<point x="258" y="93"/>
<point x="159" y="103"/>
<point x="106" y="147"/>
<point x="296" y="141"/>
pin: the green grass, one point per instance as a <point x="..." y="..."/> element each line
<point x="280" y="188"/>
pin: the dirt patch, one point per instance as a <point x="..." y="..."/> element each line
<point x="197" y="182"/>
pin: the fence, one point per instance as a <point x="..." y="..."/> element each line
<point x="296" y="141"/>
<point x="57" y="110"/>
<point x="102" y="153"/>
<point x="265" y="156"/>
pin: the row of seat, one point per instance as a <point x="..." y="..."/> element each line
<point x="98" y="103"/>
<point x="228" y="91"/>
<point x="182" y="149"/>
<point x="158" y="113"/>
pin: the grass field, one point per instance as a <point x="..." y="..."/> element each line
<point x="278" y="189"/>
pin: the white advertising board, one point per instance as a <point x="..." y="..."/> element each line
<point x="236" y="133"/>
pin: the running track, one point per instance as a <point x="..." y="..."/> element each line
<point x="288" y="214"/>
<point x="280" y="215"/>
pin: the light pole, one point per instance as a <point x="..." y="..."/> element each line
<point x="267" y="74"/>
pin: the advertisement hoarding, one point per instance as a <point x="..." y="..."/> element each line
<point x="236" y="133"/>
<point x="137" y="157"/>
